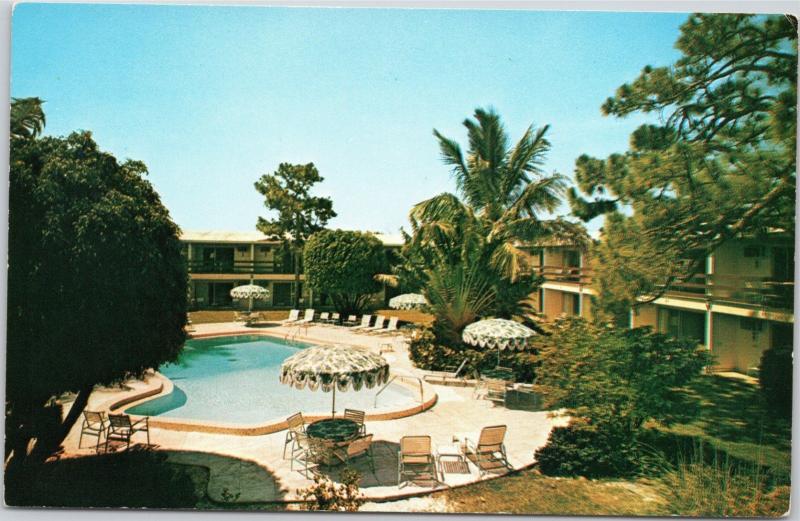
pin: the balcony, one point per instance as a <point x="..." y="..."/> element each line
<point x="564" y="274"/>
<point x="245" y="267"/>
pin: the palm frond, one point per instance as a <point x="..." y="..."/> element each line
<point x="388" y="279"/>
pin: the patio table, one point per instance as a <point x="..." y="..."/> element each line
<point x="333" y="433"/>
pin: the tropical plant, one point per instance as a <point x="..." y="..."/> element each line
<point x="343" y="264"/>
<point x="96" y="284"/>
<point x="27" y="117"/>
<point x="300" y="214"/>
<point x="470" y="251"/>
<point x="324" y="494"/>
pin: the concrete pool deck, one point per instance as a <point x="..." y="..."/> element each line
<point x="253" y="467"/>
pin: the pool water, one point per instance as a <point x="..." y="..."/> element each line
<point x="235" y="380"/>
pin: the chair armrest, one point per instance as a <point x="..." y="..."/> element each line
<point x="145" y="421"/>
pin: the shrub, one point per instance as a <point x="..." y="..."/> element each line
<point x="327" y="495"/>
<point x="580" y="449"/>
<point x="426" y="353"/>
<point x="775" y="379"/>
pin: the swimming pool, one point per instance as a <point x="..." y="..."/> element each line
<point x="235" y="380"/>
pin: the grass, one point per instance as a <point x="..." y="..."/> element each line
<point x="530" y="493"/>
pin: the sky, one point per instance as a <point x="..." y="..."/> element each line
<point x="211" y="98"/>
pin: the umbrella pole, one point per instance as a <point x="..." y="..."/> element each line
<point x="333" y="407"/>
<point x="498" y="356"/>
<point x="250" y="309"/>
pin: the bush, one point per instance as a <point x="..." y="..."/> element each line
<point x="324" y="494"/>
<point x="580" y="449"/>
<point x="775" y="379"/>
<point x="426" y="353"/>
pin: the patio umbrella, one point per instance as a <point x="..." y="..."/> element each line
<point x="499" y="333"/>
<point x="250" y="291"/>
<point x="332" y="367"/>
<point x="407" y="301"/>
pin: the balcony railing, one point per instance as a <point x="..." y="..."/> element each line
<point x="248" y="267"/>
<point x="739" y="290"/>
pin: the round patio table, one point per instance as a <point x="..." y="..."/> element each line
<point x="336" y="430"/>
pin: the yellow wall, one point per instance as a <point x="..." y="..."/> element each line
<point x="553" y="304"/>
<point x="586" y="307"/>
<point x="736" y="348"/>
<point x="729" y="259"/>
<point x="646" y="315"/>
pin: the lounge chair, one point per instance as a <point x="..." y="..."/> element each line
<point x="296" y="430"/>
<point x="490" y="448"/>
<point x="379" y="320"/>
<point x="323" y="317"/>
<point x="294" y="316"/>
<point x="449" y="374"/>
<point x="352" y="320"/>
<point x="253" y="318"/>
<point x="415" y="460"/>
<point x="121" y="428"/>
<point x="359" y="446"/>
<point x="307" y="318"/>
<point x="94" y="424"/>
<point x="334" y="319"/>
<point x="390" y="328"/>
<point x="365" y="320"/>
<point x="358" y="417"/>
<point x="240" y="317"/>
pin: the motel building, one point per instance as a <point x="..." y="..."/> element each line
<point x="218" y="261"/>
<point x="742" y="305"/>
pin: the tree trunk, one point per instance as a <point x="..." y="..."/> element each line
<point x="296" y="278"/>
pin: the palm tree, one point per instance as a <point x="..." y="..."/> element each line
<point x="27" y="117"/>
<point x="496" y="211"/>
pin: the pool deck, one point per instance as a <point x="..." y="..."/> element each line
<point x="253" y="467"/>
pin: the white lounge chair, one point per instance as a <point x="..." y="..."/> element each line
<point x="294" y="316"/>
<point x="365" y="320"/>
<point x="448" y="375"/>
<point x="379" y="320"/>
<point x="352" y="320"/>
<point x="323" y="317"/>
<point x="390" y="328"/>
<point x="308" y="317"/>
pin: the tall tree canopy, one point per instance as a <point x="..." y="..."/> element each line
<point x="96" y="281"/>
<point x="343" y="264"/>
<point x="300" y="214"/>
<point x="720" y="162"/>
<point x="470" y="250"/>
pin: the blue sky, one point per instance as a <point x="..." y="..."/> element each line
<point x="211" y="98"/>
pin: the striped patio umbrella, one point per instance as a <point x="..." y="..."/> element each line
<point x="331" y="367"/>
<point x="407" y="301"/>
<point x="251" y="292"/>
<point x="499" y="333"/>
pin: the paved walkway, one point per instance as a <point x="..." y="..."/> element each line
<point x="258" y="471"/>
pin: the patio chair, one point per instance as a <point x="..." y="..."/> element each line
<point x="379" y="321"/>
<point x="240" y="317"/>
<point x="449" y="374"/>
<point x="415" y="460"/>
<point x="334" y="319"/>
<point x="253" y="318"/>
<point x="308" y="317"/>
<point x="296" y="430"/>
<point x="352" y="320"/>
<point x="294" y="316"/>
<point x="309" y="455"/>
<point x="121" y="428"/>
<point x="94" y="424"/>
<point x="365" y="320"/>
<point x="324" y="317"/>
<point x="357" y="447"/>
<point x="391" y="327"/>
<point x="358" y="417"/>
<point x="496" y="391"/>
<point x="490" y="447"/>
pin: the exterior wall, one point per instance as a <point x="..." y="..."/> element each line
<point x="735" y="347"/>
<point x="586" y="307"/>
<point x="553" y="303"/>
<point x="645" y="315"/>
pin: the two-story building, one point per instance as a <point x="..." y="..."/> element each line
<point x="740" y="306"/>
<point x="218" y="261"/>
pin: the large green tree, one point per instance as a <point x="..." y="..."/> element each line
<point x="719" y="162"/>
<point x="96" y="281"/>
<point x="471" y="249"/>
<point x="343" y="264"/>
<point x="300" y="214"/>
